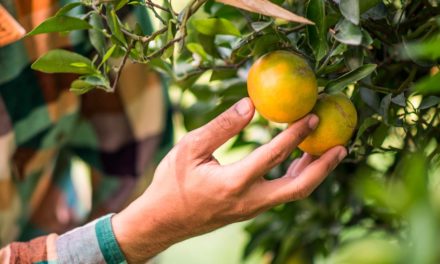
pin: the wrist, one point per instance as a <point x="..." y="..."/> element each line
<point x="142" y="231"/>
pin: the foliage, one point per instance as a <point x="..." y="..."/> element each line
<point x="381" y="205"/>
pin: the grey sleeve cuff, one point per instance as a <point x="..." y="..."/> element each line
<point x="92" y="243"/>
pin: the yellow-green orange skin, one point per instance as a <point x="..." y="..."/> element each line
<point x="282" y="86"/>
<point x="337" y="121"/>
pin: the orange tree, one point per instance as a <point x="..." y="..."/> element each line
<point x="381" y="205"/>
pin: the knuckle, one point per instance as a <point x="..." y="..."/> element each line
<point x="301" y="133"/>
<point x="300" y="192"/>
<point x="328" y="167"/>
<point x="224" y="122"/>
<point x="191" y="141"/>
<point x="242" y="210"/>
<point x="233" y="188"/>
<point x="277" y="156"/>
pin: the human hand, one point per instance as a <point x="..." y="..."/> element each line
<point x="192" y="193"/>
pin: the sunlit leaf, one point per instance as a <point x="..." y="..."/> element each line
<point x="63" y="61"/>
<point x="428" y="85"/>
<point x="351" y="77"/>
<point x="215" y="26"/>
<point x="60" y="23"/>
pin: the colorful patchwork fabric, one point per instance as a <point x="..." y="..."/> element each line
<point x="66" y="159"/>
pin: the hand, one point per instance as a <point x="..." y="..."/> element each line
<point x="192" y="193"/>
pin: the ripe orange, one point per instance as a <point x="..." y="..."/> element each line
<point x="282" y="86"/>
<point x="337" y="121"/>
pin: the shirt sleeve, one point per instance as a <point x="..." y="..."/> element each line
<point x="91" y="243"/>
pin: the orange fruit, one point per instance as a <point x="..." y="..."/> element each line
<point x="282" y="86"/>
<point x="337" y="121"/>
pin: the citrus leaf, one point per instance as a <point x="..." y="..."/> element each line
<point x="265" y="7"/>
<point x="428" y="85"/>
<point x="429" y="102"/>
<point x="115" y="26"/>
<point x="351" y="77"/>
<point x="259" y="25"/>
<point x="108" y="54"/>
<point x="348" y="33"/>
<point x="317" y="33"/>
<point x="350" y="10"/>
<point x="427" y="49"/>
<point x="96" y="37"/>
<point x="197" y="49"/>
<point x="120" y="4"/>
<point x="215" y="26"/>
<point x="60" y="24"/>
<point x="63" y="61"/>
<point x="81" y="87"/>
<point x="369" y="122"/>
<point x="66" y="9"/>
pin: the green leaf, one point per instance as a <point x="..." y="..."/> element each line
<point x="120" y="4"/>
<point x="350" y="10"/>
<point x="215" y="26"/>
<point x="427" y="49"/>
<point x="265" y="44"/>
<point x="63" y="61"/>
<point x="60" y="24"/>
<point x="169" y="37"/>
<point x="349" y="78"/>
<point x="115" y="26"/>
<point x="365" y="5"/>
<point x="88" y="83"/>
<point x="97" y="38"/>
<point x="428" y="85"/>
<point x="66" y="9"/>
<point x="198" y="49"/>
<point x="261" y="25"/>
<point x="317" y="33"/>
<point x="348" y="33"/>
<point x="429" y="102"/>
<point x="379" y="135"/>
<point x="354" y="57"/>
<point x="368" y="250"/>
<point x="81" y="87"/>
<point x="223" y="74"/>
<point x="399" y="100"/>
<point x="369" y="122"/>
<point x="108" y="54"/>
<point x="384" y="108"/>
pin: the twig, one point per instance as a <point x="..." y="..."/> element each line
<point x="377" y="88"/>
<point x="202" y="69"/>
<point x="121" y="66"/>
<point x="143" y="39"/>
<point x="153" y="7"/>
<point x="408" y="81"/>
<point x="160" y="51"/>
<point x="287" y="31"/>
<point x="327" y="59"/>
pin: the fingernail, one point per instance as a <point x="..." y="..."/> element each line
<point x="342" y="154"/>
<point x="243" y="107"/>
<point x="313" y="122"/>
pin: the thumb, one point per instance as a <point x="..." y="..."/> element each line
<point x="214" y="134"/>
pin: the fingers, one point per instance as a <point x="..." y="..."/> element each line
<point x="205" y="140"/>
<point x="287" y="189"/>
<point x="264" y="158"/>
<point x="299" y="165"/>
